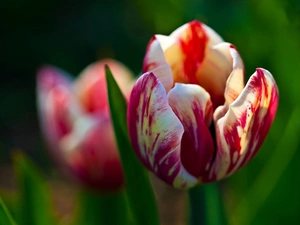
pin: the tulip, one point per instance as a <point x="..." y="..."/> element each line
<point x="191" y="118"/>
<point x="76" y="122"/>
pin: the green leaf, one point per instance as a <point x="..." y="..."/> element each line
<point x="34" y="200"/>
<point x="5" y="217"/>
<point x="139" y="191"/>
<point x="100" y="208"/>
<point x="206" y="205"/>
<point x="197" y="206"/>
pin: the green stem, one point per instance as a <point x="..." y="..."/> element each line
<point x="98" y="209"/>
<point x="197" y="206"/>
<point x="206" y="206"/>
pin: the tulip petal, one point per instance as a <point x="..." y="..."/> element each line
<point x="184" y="50"/>
<point x="156" y="132"/>
<point x="56" y="105"/>
<point x="174" y="57"/>
<point x="193" y="42"/>
<point x="221" y="71"/>
<point x="92" y="140"/>
<point x="242" y="130"/>
<point x="90" y="87"/>
<point x="155" y="62"/>
<point x="192" y="105"/>
<point x="236" y="81"/>
<point x="47" y="78"/>
<point x="213" y="37"/>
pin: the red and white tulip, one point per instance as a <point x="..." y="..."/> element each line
<point x="191" y="117"/>
<point x="76" y="122"/>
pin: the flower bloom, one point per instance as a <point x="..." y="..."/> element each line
<point x="190" y="116"/>
<point x="76" y="122"/>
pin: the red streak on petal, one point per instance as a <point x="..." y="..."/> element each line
<point x="193" y="48"/>
<point x="154" y="143"/>
<point x="145" y="109"/>
<point x="262" y="80"/>
<point x="234" y="141"/>
<point x="260" y="126"/>
<point x="170" y="163"/>
<point x="243" y="119"/>
<point x="195" y="155"/>
<point x="150" y="120"/>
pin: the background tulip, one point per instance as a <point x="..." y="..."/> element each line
<point x="191" y="118"/>
<point x="76" y="122"/>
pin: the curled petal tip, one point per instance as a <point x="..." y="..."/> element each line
<point x="155" y="62"/>
<point x="242" y="130"/>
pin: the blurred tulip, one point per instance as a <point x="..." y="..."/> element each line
<point x="76" y="122"/>
<point x="190" y="116"/>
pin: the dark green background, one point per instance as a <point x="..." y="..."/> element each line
<point x="73" y="34"/>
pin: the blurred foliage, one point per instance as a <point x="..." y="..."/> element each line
<point x="34" y="202"/>
<point x="72" y="34"/>
<point x="5" y="217"/>
<point x="98" y="208"/>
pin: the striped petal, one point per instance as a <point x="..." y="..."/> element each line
<point x="192" y="105"/>
<point x="90" y="87"/>
<point x="242" y="130"/>
<point x="193" y="42"/>
<point x="156" y="132"/>
<point x="155" y="61"/>
<point x="196" y="40"/>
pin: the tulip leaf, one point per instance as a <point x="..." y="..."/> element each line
<point x="34" y="200"/>
<point x="138" y="187"/>
<point x="206" y="205"/>
<point x="102" y="208"/>
<point x="5" y="216"/>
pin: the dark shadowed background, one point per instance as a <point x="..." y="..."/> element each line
<point x="73" y="34"/>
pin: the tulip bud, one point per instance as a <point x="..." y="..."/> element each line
<point x="191" y="118"/>
<point x="76" y="122"/>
